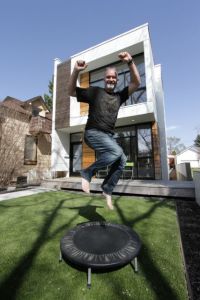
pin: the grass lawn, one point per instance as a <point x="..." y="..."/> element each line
<point x="31" y="229"/>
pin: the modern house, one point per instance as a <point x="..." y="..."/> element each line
<point x="25" y="141"/>
<point x="140" y="127"/>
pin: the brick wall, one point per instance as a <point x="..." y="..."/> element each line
<point x="62" y="97"/>
<point x="14" y="128"/>
<point x="40" y="125"/>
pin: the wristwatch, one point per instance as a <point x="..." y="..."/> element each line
<point x="130" y="62"/>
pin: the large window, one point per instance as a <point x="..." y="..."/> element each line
<point x="30" y="150"/>
<point x="136" y="142"/>
<point x="75" y="153"/>
<point x="145" y="155"/>
<point x="97" y="79"/>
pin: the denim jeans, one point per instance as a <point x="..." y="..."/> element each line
<point x="109" y="153"/>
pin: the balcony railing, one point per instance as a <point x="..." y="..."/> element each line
<point x="39" y="125"/>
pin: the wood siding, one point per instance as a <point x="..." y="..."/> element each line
<point x="84" y="83"/>
<point x="88" y="156"/>
<point x="88" y="153"/>
<point x="156" y="148"/>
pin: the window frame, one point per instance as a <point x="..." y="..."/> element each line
<point x="27" y="160"/>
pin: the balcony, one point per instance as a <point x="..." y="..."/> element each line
<point x="39" y="125"/>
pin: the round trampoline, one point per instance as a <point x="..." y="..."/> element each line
<point x="100" y="245"/>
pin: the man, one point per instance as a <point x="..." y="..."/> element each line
<point x="104" y="105"/>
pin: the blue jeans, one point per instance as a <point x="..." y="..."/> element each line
<point x="109" y="153"/>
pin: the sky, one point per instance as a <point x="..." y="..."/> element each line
<point x="34" y="33"/>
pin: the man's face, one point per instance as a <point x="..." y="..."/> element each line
<point x="110" y="79"/>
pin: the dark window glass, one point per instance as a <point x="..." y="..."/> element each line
<point x="144" y="140"/>
<point x="76" y="137"/>
<point x="125" y="131"/>
<point x="139" y="96"/>
<point x="136" y="142"/>
<point x="30" y="150"/>
<point x="145" y="168"/>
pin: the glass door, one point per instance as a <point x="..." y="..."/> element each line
<point x="75" y="159"/>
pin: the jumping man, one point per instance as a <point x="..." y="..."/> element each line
<point x="104" y="104"/>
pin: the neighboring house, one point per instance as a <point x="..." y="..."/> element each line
<point x="140" y="128"/>
<point x="189" y="155"/>
<point x="25" y="141"/>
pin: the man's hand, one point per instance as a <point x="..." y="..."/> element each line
<point x="80" y="65"/>
<point x="125" y="56"/>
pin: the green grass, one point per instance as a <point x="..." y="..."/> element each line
<point x="31" y="229"/>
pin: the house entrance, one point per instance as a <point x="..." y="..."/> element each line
<point x="75" y="158"/>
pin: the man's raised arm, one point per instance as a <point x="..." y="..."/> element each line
<point x="134" y="74"/>
<point x="79" y="66"/>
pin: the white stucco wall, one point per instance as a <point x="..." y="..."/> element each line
<point x="190" y="156"/>
<point x="60" y="140"/>
<point x="161" y="120"/>
<point x="60" y="151"/>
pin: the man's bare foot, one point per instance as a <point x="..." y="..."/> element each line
<point x="108" y="200"/>
<point x="85" y="185"/>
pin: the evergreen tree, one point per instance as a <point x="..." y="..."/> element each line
<point x="49" y="98"/>
<point x="197" y="140"/>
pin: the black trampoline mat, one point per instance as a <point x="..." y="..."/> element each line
<point x="100" y="245"/>
<point x="100" y="239"/>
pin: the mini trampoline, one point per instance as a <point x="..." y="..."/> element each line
<point x="100" y="246"/>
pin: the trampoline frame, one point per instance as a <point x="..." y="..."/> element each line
<point x="133" y="262"/>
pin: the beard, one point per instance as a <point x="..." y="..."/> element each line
<point x="110" y="86"/>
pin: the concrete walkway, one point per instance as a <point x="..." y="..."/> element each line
<point x="28" y="192"/>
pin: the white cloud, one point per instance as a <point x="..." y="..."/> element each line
<point x="172" y="127"/>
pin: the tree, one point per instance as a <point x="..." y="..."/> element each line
<point x="174" y="146"/>
<point x="12" y="126"/>
<point x="49" y="98"/>
<point x="197" y="140"/>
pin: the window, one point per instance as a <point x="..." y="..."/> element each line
<point x="35" y="111"/>
<point x="144" y="140"/>
<point x="136" y="142"/>
<point x="76" y="137"/>
<point x="145" y="153"/>
<point x="30" y="150"/>
<point x="97" y="79"/>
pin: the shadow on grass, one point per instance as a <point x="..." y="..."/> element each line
<point x="157" y="280"/>
<point x="12" y="283"/>
<point x="89" y="212"/>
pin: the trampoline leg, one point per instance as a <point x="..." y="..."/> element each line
<point x="89" y="278"/>
<point x="135" y="264"/>
<point x="60" y="257"/>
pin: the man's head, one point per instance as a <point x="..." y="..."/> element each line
<point x="110" y="79"/>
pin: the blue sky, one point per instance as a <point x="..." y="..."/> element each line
<point x="33" y="33"/>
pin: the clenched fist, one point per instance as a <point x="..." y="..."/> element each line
<point x="80" y="65"/>
<point x="125" y="56"/>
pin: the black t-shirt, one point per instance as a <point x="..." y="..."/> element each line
<point x="103" y="106"/>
